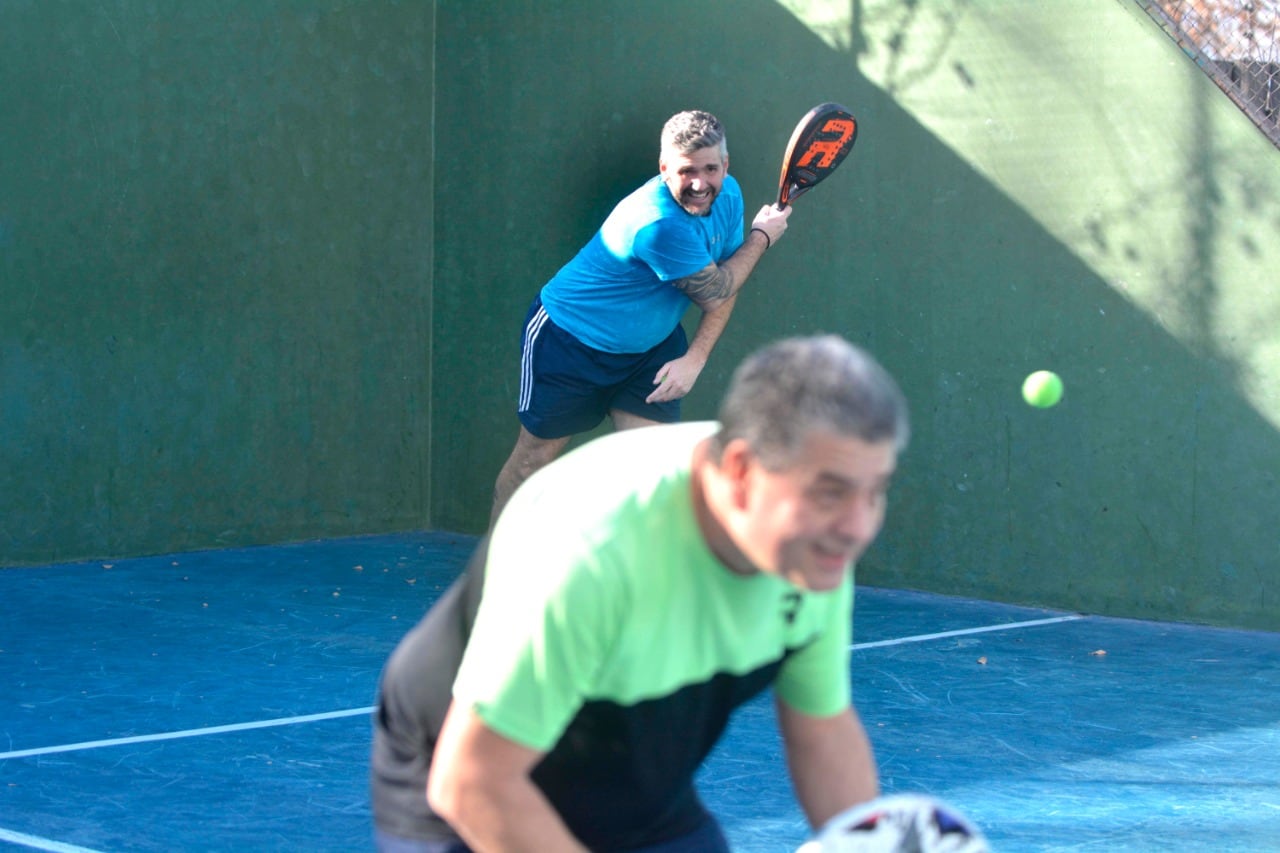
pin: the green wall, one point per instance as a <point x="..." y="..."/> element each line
<point x="1035" y="185"/>
<point x="264" y="267"/>
<point x="215" y="264"/>
<point x="1110" y="214"/>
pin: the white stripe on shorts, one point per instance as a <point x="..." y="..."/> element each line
<point x="526" y="358"/>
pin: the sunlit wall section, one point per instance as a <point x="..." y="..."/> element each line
<point x="1116" y="142"/>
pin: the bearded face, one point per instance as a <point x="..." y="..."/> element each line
<point x="694" y="179"/>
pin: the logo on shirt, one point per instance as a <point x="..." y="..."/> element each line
<point x="790" y="607"/>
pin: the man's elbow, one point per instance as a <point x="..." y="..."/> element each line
<point x="444" y="796"/>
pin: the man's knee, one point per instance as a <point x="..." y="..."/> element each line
<point x="532" y="453"/>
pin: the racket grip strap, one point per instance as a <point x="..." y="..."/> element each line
<point x="768" y="244"/>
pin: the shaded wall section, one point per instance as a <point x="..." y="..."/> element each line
<point x="1034" y="186"/>
<point x="215" y="263"/>
<point x="571" y="98"/>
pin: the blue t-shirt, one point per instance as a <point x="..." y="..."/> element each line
<point x="615" y="295"/>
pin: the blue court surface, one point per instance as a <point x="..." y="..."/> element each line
<point x="220" y="701"/>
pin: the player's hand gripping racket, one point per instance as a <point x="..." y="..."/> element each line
<point x="820" y="142"/>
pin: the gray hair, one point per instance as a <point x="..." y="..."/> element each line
<point x="690" y="131"/>
<point x="787" y="390"/>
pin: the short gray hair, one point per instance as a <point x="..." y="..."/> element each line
<point x="787" y="390"/>
<point x="690" y="131"/>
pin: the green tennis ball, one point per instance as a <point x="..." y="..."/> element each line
<point x="1042" y="389"/>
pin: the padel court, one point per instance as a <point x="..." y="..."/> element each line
<point x="220" y="701"/>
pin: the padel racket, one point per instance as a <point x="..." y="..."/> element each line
<point x="820" y="142"/>
<point x="899" y="823"/>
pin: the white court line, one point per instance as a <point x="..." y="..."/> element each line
<point x="41" y="843"/>
<point x="333" y="715"/>
<point x="210" y="730"/>
<point x="920" y="638"/>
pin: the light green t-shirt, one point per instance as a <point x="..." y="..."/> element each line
<point x="600" y="590"/>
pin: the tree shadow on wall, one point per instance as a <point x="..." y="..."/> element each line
<point x="1149" y="492"/>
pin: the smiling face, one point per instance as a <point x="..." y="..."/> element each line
<point x="694" y="179"/>
<point x="809" y="520"/>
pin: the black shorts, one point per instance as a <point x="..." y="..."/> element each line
<point x="567" y="387"/>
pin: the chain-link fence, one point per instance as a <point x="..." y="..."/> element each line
<point x="1237" y="43"/>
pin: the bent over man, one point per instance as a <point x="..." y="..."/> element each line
<point x="623" y="619"/>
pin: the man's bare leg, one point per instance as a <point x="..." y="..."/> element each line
<point x="530" y="454"/>
<point x="626" y="420"/>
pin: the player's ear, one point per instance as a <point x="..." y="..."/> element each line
<point x="736" y="464"/>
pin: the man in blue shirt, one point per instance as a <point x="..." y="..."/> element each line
<point x="603" y="337"/>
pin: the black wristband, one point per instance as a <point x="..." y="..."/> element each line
<point x="768" y="244"/>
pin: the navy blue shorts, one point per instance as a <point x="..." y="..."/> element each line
<point x="567" y="387"/>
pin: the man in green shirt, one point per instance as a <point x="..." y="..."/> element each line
<point x="635" y="593"/>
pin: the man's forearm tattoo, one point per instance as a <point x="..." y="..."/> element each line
<point x="708" y="285"/>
